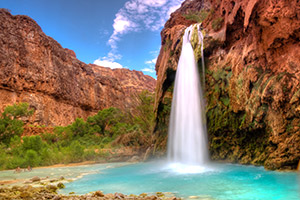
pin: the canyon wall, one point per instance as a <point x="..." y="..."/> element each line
<point x="252" y="56"/>
<point x="34" y="68"/>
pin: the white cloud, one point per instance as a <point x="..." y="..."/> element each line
<point x="121" y="24"/>
<point x="137" y="15"/>
<point x="153" y="61"/>
<point x="154" y="3"/>
<point x="148" y="70"/>
<point x="155" y="52"/>
<point x="107" y="63"/>
<point x="173" y="9"/>
<point x="113" y="56"/>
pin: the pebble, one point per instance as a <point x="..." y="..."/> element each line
<point x="98" y="194"/>
<point x="193" y="197"/>
<point x="35" y="179"/>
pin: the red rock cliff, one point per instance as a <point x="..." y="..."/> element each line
<point x="252" y="51"/>
<point x="34" y="68"/>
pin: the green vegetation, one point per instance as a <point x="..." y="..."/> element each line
<point x="217" y="23"/>
<point x="236" y="135"/>
<point x="168" y="44"/>
<point x="82" y="140"/>
<point x="10" y="123"/>
<point x="198" y="16"/>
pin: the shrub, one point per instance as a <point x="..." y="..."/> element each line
<point x="48" y="156"/>
<point x="10" y="123"/>
<point x="77" y="141"/>
<point x="15" y="142"/>
<point x="79" y="127"/>
<point x="76" y="151"/>
<point x="49" y="137"/>
<point x="32" y="158"/>
<point x="90" y="154"/>
<point x="33" y="142"/>
<point x="144" y="117"/>
<point x="14" y="162"/>
<point x="198" y="16"/>
<point x="105" y="118"/>
<point x="17" y="111"/>
<point x="106" y="140"/>
<point x="10" y="128"/>
<point x="3" y="157"/>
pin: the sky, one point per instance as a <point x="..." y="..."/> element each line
<point x="110" y="33"/>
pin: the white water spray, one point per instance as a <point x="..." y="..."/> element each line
<point x="187" y="143"/>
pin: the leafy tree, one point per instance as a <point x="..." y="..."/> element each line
<point x="144" y="114"/>
<point x="79" y="127"/>
<point x="32" y="158"/>
<point x="105" y="118"/>
<point x="33" y="142"/>
<point x="17" y="111"/>
<point x="11" y="123"/>
<point x="109" y="128"/>
<point x="76" y="150"/>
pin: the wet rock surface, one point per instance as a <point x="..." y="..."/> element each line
<point x="252" y="51"/>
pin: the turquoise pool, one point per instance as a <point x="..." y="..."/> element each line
<point x="216" y="181"/>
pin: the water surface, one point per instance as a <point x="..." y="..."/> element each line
<point x="218" y="181"/>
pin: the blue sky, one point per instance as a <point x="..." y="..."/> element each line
<point x="115" y="33"/>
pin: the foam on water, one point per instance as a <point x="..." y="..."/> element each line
<point x="181" y="168"/>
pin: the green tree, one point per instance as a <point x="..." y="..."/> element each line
<point x="144" y="114"/>
<point x="76" y="151"/>
<point x="11" y="123"/>
<point x="32" y="158"/>
<point x="33" y="142"/>
<point x="105" y="118"/>
<point x="79" y="127"/>
<point x="17" y="111"/>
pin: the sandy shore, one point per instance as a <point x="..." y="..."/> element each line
<point x="9" y="182"/>
<point x="71" y="171"/>
<point x="70" y="164"/>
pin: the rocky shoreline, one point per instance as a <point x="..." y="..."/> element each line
<point x="38" y="187"/>
<point x="46" y="188"/>
<point x="50" y="192"/>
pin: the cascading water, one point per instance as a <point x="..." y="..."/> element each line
<point x="187" y="143"/>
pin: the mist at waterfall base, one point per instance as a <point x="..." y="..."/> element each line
<point x="187" y="144"/>
<point x="187" y="171"/>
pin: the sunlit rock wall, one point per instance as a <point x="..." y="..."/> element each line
<point x="252" y="51"/>
<point x="34" y="68"/>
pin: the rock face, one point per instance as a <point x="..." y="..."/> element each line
<point x="252" y="51"/>
<point x="130" y="82"/>
<point x="34" y="68"/>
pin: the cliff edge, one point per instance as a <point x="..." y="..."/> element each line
<point x="34" y="68"/>
<point x="252" y="56"/>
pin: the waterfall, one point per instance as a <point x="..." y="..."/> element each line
<point x="187" y="143"/>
